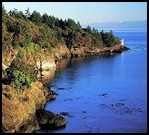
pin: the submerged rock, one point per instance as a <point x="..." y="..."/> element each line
<point x="120" y="108"/>
<point x="103" y="94"/>
<point x="64" y="88"/>
<point x="66" y="114"/>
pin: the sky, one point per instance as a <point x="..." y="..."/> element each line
<point x="86" y="12"/>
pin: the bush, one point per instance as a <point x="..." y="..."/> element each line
<point x="22" y="74"/>
<point x="20" y="80"/>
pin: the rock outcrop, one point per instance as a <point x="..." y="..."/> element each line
<point x="46" y="63"/>
<point x="61" y="51"/>
<point x="19" y="109"/>
<point x="98" y="51"/>
<point x="48" y="120"/>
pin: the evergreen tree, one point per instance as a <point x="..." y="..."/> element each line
<point x="27" y="13"/>
<point x="36" y="17"/>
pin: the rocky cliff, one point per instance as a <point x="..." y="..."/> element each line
<point x="22" y="111"/>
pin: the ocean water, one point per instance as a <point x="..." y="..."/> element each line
<point x="104" y="94"/>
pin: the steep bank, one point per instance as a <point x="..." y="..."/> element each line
<point x="19" y="109"/>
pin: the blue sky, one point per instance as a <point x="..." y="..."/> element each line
<point x="86" y="12"/>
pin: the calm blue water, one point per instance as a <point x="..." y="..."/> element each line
<point x="121" y="79"/>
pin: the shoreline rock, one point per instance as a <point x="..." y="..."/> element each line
<point x="19" y="111"/>
<point x="49" y="120"/>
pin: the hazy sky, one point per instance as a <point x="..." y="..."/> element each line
<point x="86" y="12"/>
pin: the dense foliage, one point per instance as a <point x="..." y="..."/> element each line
<point x="21" y="74"/>
<point x="19" y="29"/>
<point x="33" y="32"/>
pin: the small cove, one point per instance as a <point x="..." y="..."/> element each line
<point x="104" y="94"/>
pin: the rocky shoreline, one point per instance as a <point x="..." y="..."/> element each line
<point x="62" y="52"/>
<point x="25" y="113"/>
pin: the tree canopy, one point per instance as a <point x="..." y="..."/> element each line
<point x="47" y="30"/>
<point x="32" y="32"/>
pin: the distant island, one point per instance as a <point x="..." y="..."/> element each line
<point x="140" y="25"/>
<point x="32" y="43"/>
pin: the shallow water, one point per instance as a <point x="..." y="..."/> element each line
<point x="104" y="95"/>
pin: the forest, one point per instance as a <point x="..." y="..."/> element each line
<point x="30" y="33"/>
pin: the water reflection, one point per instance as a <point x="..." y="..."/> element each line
<point x="62" y="64"/>
<point x="68" y="64"/>
<point x="47" y="76"/>
<point x="76" y="68"/>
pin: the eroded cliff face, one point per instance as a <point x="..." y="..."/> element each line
<point x="46" y="65"/>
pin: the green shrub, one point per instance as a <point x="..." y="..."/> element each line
<point x="20" y="80"/>
<point x="22" y="74"/>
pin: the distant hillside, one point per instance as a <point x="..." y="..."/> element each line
<point x="120" y="25"/>
<point x="48" y="32"/>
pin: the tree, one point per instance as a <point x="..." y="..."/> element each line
<point x="62" y="24"/>
<point x="16" y="14"/>
<point x="3" y="9"/>
<point x="88" y="29"/>
<point x="36" y="17"/>
<point x="78" y="24"/>
<point x="22" y="74"/>
<point x="95" y="30"/>
<point x="27" y="13"/>
<point x="71" y="24"/>
<point x="45" y="18"/>
<point x="109" y="39"/>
